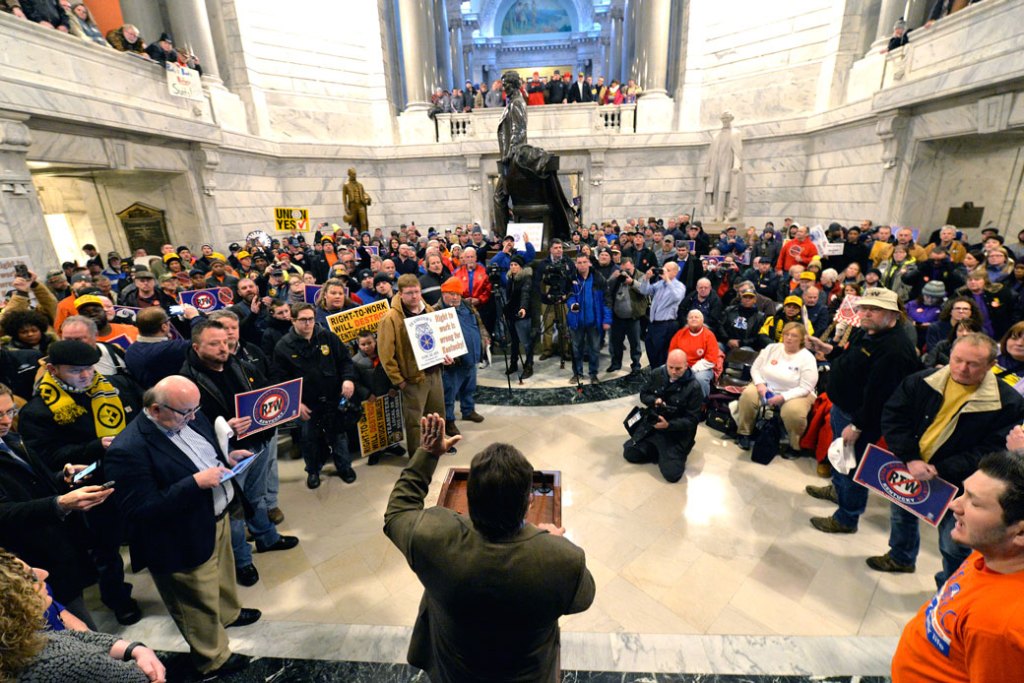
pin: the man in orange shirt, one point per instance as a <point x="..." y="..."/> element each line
<point x="972" y="631"/>
<point x="701" y="349"/>
<point x="92" y="307"/>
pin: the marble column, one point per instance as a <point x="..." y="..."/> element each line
<point x="145" y="16"/>
<point x="455" y="40"/>
<point x="628" y="40"/>
<point x="888" y="14"/>
<point x="654" y="109"/>
<point x="190" y="25"/>
<point x="442" y="38"/>
<point x="615" y="49"/>
<point x="21" y="213"/>
<point x="419" y="67"/>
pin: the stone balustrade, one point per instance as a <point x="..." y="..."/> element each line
<point x="545" y="122"/>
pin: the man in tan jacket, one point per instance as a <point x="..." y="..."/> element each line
<point x="422" y="390"/>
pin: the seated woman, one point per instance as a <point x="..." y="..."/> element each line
<point x="938" y="355"/>
<point x="31" y="653"/>
<point x="27" y="329"/>
<point x="789" y="373"/>
<point x="1010" y="361"/>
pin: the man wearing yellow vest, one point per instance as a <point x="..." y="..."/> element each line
<point x="73" y="417"/>
<point x="941" y="422"/>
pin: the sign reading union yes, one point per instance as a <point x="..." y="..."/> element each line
<point x="884" y="474"/>
<point x="435" y="335"/>
<point x="270" y="406"/>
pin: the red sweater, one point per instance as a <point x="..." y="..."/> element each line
<point x="700" y="346"/>
<point x="795" y="252"/>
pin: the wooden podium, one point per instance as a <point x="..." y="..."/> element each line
<point x="545" y="506"/>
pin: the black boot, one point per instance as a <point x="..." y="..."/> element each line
<point x="527" y="371"/>
<point x="512" y="369"/>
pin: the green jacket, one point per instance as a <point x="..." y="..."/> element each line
<point x="490" y="609"/>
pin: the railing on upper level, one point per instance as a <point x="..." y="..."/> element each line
<point x="545" y="121"/>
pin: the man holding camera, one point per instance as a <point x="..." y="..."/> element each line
<point x="628" y="307"/>
<point x="667" y="428"/>
<point x="666" y="293"/>
<point x="553" y="278"/>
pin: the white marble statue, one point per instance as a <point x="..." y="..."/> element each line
<point x="723" y="174"/>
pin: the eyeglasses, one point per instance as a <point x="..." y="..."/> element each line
<point x="181" y="413"/>
<point x="12" y="413"/>
<point x="305" y="321"/>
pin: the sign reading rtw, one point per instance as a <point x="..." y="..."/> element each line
<point x="348" y="324"/>
<point x="882" y="473"/>
<point x="435" y="335"/>
<point x="270" y="406"/>
<point x="207" y="300"/>
<point x="381" y="424"/>
<point x="291" y="220"/>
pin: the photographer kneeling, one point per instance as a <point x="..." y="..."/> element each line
<point x="667" y="426"/>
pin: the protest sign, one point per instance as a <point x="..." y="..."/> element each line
<point x="884" y="474"/>
<point x="207" y="300"/>
<point x="270" y="406"/>
<point x="847" y="312"/>
<point x="834" y="248"/>
<point x="435" y="335"/>
<point x="288" y="219"/>
<point x="311" y="293"/>
<point x="184" y="82"/>
<point x="535" y="231"/>
<point x="125" y="315"/>
<point x="348" y="324"/>
<point x="381" y="424"/>
<point x="7" y="274"/>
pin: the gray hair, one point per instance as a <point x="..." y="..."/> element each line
<point x="90" y="324"/>
<point x="222" y="314"/>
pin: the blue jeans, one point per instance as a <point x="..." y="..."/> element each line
<point x="522" y="339"/>
<point x="459" y="382"/>
<point x="254" y="487"/>
<point x="273" y="482"/>
<point x="659" y="336"/>
<point x="904" y="535"/>
<point x="953" y="554"/>
<point x="704" y="378"/>
<point x="853" y="498"/>
<point x="240" y="547"/>
<point x="585" y="340"/>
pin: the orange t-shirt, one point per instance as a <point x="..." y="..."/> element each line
<point x="972" y="631"/>
<point x="122" y="335"/>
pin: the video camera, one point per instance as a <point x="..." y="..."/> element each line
<point x="494" y="273"/>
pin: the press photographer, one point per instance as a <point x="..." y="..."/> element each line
<point x="554" y="276"/>
<point x="665" y="430"/>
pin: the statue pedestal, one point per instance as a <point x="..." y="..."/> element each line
<point x="540" y="200"/>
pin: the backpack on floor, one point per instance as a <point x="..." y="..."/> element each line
<point x="718" y="416"/>
<point x="768" y="435"/>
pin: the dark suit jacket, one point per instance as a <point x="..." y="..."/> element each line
<point x="32" y="528"/>
<point x="490" y="609"/>
<point x="512" y="128"/>
<point x="171" y="525"/>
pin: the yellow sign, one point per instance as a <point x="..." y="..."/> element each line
<point x="381" y="425"/>
<point x="348" y="324"/>
<point x="291" y="220"/>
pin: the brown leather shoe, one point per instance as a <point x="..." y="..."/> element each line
<point x="829" y="525"/>
<point x="825" y="469"/>
<point x="474" y="417"/>
<point x="275" y="515"/>
<point x="450" y="429"/>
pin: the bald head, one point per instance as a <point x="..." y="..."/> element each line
<point x="671" y="270"/>
<point x="171" y="389"/>
<point x="676" y="365"/>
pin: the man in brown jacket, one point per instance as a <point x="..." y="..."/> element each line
<point x="494" y="585"/>
<point x="422" y="390"/>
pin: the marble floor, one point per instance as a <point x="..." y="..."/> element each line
<point x="720" y="573"/>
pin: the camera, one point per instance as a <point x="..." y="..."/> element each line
<point x="656" y="272"/>
<point x="494" y="273"/>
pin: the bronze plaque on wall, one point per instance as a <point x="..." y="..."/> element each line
<point x="145" y="227"/>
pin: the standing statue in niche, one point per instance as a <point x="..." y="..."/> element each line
<point x="511" y="136"/>
<point x="723" y="175"/>
<point x="355" y="199"/>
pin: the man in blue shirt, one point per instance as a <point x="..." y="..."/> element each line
<point x="666" y="293"/>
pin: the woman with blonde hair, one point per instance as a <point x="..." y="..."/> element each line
<point x="32" y="654"/>
<point x="81" y="24"/>
<point x="784" y="376"/>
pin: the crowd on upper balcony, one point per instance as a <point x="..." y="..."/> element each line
<point x="75" y="18"/>
<point x="559" y="89"/>
<point x="941" y="9"/>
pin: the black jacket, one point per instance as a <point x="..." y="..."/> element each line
<point x="237" y="374"/>
<point x="171" y="522"/>
<point x="690" y="271"/>
<point x="711" y="307"/>
<point x="683" y="400"/>
<point x="32" y="528"/>
<point x="519" y="293"/>
<point x="275" y="330"/>
<point x="742" y="324"/>
<point x="644" y="259"/>
<point x="866" y="374"/>
<point x="979" y="428"/>
<point x="45" y="10"/>
<point x="18" y="370"/>
<point x="945" y="271"/>
<point x="323" y="363"/>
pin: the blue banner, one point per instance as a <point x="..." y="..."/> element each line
<point x="270" y="406"/>
<point x="311" y="293"/>
<point x="883" y="473"/>
<point x="208" y="300"/>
